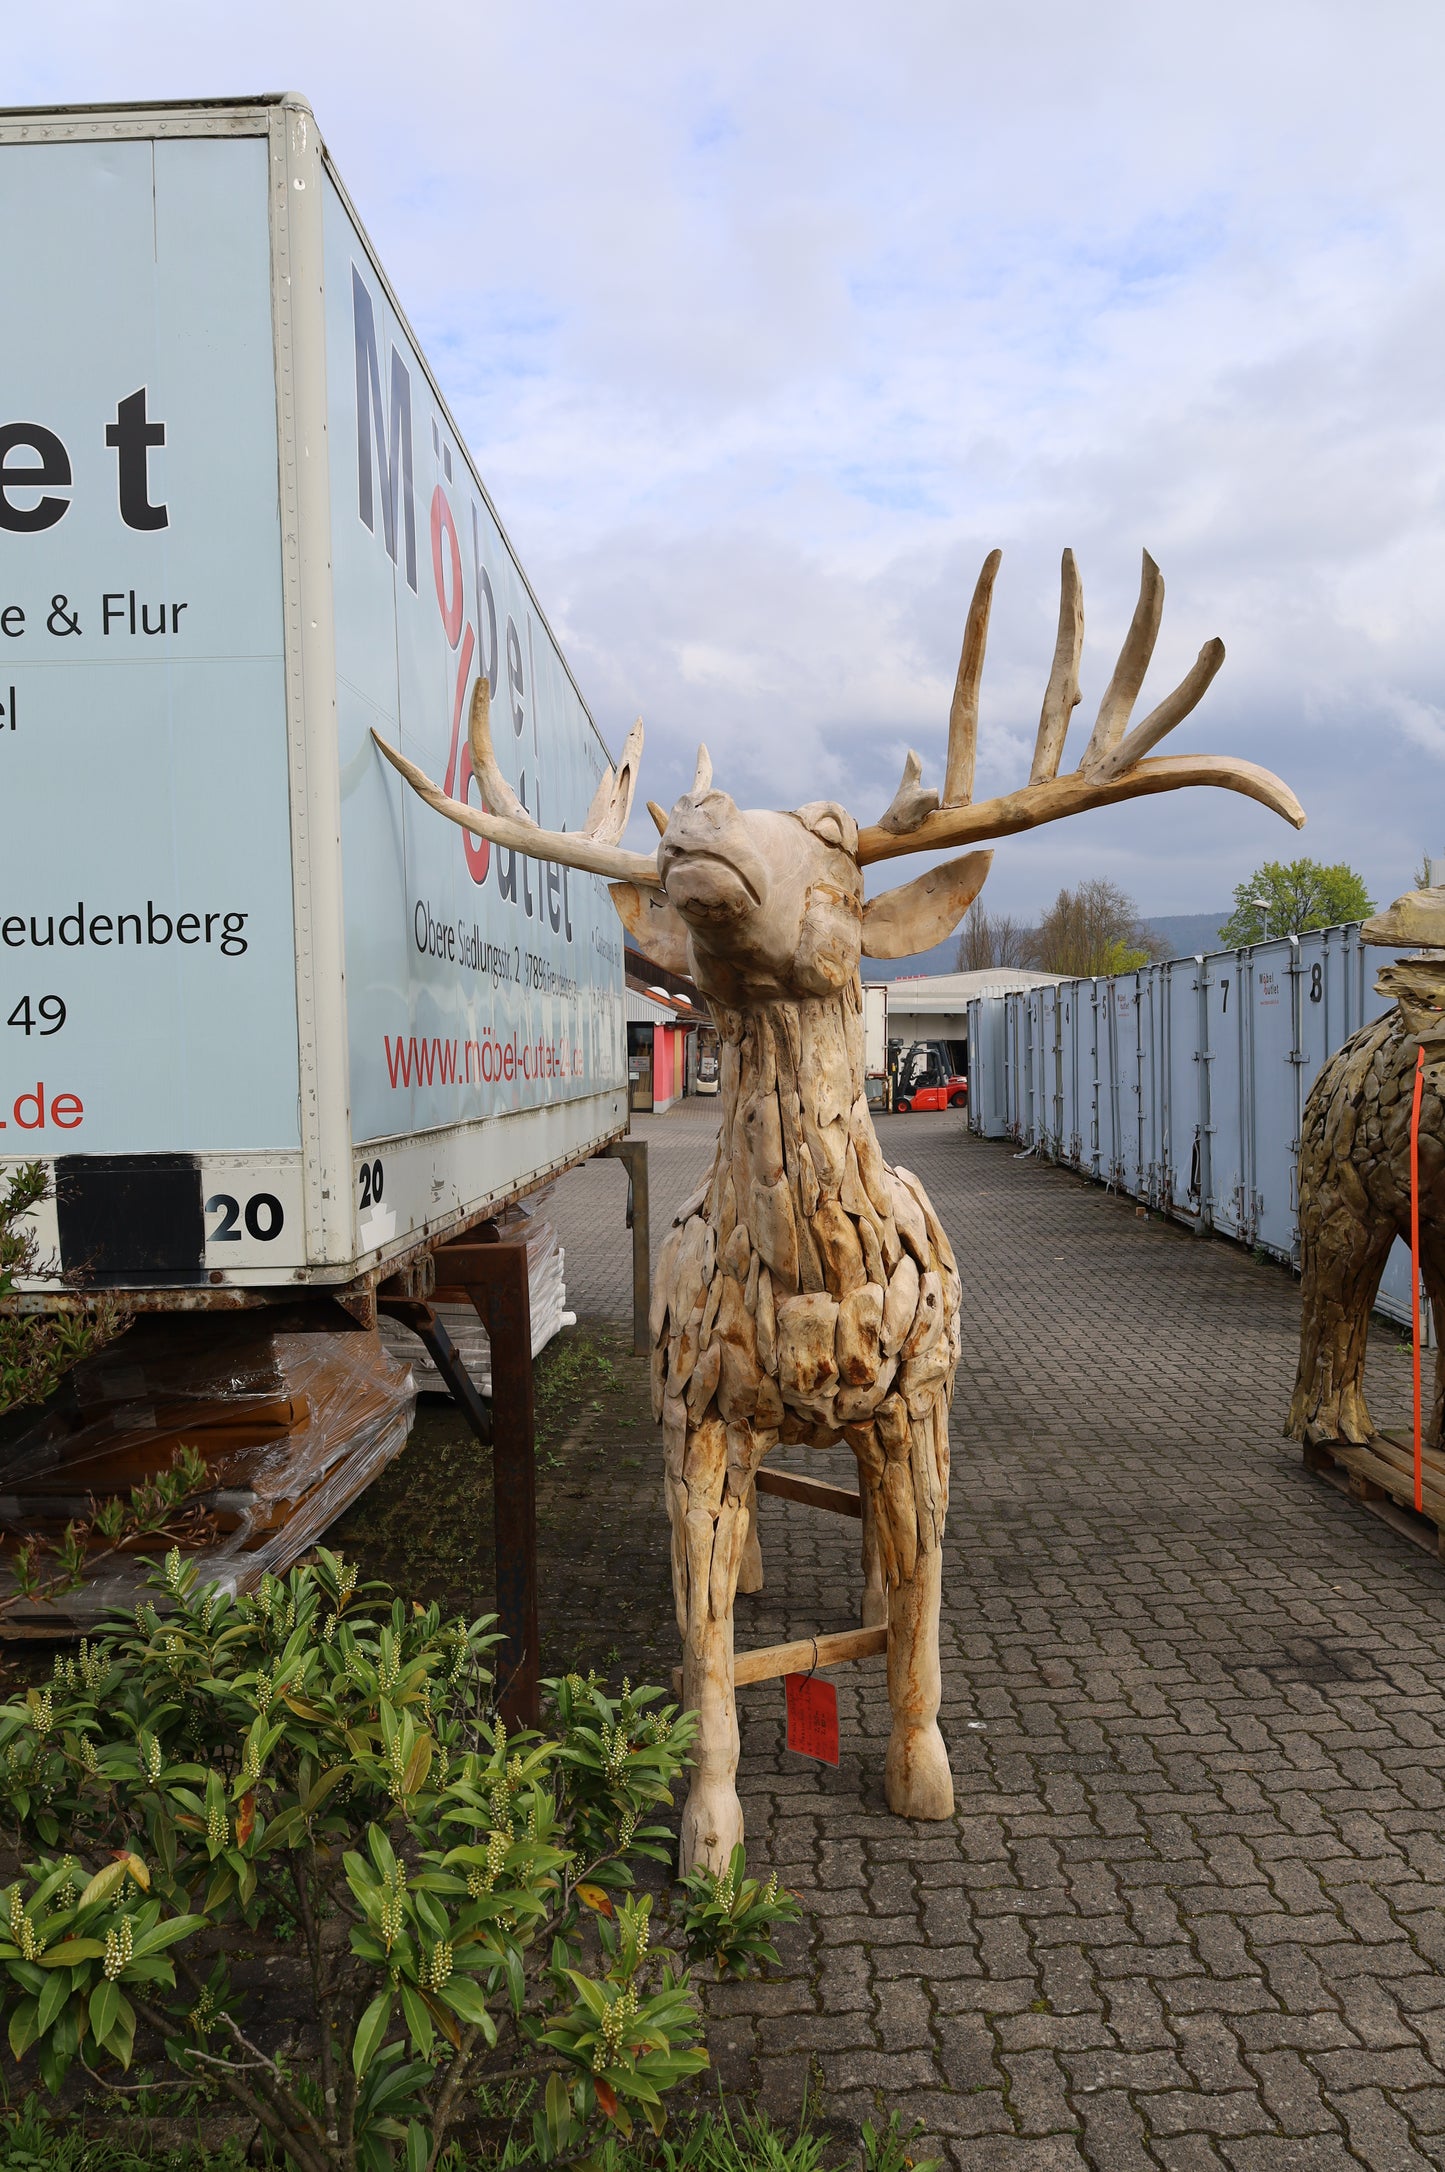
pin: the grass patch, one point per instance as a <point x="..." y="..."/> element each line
<point x="33" y="2139"/>
<point x="708" y="2139"/>
<point x="425" y="1524"/>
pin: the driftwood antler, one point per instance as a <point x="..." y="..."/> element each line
<point x="1113" y="767"/>
<point x="593" y="848"/>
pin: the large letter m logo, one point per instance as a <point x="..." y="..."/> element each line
<point x="393" y="444"/>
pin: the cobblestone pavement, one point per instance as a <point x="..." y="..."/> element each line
<point x="1188" y="1910"/>
<point x="589" y="1207"/>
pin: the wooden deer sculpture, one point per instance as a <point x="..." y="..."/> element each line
<point x="808" y="1293"/>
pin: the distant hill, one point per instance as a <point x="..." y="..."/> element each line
<point x="1186" y="933"/>
<point x="943" y="958"/>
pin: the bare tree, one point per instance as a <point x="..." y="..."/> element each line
<point x="1094" y="929"/>
<point x="988" y="939"/>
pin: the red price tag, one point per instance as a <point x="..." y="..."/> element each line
<point x="812" y="1717"/>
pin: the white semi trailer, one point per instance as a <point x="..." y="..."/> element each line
<point x="875" y="1041"/>
<point x="266" y="1018"/>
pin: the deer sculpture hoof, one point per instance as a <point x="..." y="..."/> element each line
<point x="712" y="1826"/>
<point x="916" y="1778"/>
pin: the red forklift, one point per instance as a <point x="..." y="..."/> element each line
<point x="928" y="1075"/>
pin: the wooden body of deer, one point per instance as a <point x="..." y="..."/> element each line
<point x="808" y="1292"/>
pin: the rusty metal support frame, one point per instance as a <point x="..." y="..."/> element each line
<point x="492" y="1276"/>
<point x="632" y="1153"/>
<point x="447" y="1359"/>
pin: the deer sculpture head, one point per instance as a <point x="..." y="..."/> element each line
<point x="763" y="905"/>
<point x="808" y="1293"/>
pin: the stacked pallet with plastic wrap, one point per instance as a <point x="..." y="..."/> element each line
<point x="292" y="1411"/>
<point x="548" y="1291"/>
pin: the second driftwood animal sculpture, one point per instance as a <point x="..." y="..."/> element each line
<point x="808" y="1293"/>
<point x="1354" y="1179"/>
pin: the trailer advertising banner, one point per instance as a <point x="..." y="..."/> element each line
<point x="479" y="982"/>
<point x="146" y="951"/>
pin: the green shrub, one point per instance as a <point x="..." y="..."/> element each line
<point x="37" y="1349"/>
<point x="730" y="1920"/>
<point x="45" y="1570"/>
<point x="325" y="1755"/>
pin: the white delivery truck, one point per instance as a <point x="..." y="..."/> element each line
<point x="267" y="1019"/>
<point x="875" y="1042"/>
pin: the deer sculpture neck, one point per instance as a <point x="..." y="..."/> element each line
<point x="807" y="1293"/>
<point x="805" y="1056"/>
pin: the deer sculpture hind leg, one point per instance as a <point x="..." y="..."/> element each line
<point x="750" y="1568"/>
<point x="873" y="1602"/>
<point x="873" y="1611"/>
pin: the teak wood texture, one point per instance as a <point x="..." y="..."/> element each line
<point x="807" y="1293"/>
<point x="1354" y="1182"/>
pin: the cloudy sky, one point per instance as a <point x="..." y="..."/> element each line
<point x="765" y="323"/>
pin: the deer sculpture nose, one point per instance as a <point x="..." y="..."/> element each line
<point x="711" y="870"/>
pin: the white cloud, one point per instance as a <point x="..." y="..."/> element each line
<point x="1422" y="722"/>
<point x="765" y="325"/>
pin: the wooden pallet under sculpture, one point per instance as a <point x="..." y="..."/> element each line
<point x="808" y="1293"/>
<point x="1380" y="1474"/>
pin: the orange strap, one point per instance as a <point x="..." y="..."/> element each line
<point x="1415" y="1260"/>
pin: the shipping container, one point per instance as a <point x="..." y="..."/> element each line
<point x="1184" y="1084"/>
<point x="268" y="1020"/>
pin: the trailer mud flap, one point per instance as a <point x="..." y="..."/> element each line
<point x="130" y="1220"/>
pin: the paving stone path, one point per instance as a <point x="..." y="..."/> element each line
<point x="1188" y="1912"/>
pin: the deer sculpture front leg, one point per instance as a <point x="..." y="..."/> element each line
<point x="709" y="1466"/>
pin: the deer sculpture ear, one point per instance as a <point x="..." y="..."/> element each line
<point x="922" y="912"/>
<point x="658" y="931"/>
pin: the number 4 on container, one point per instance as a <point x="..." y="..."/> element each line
<point x="47" y="1016"/>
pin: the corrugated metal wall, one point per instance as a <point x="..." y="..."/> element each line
<point x="1182" y="1084"/>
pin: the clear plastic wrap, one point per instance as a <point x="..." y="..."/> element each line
<point x="293" y="1410"/>
<point x="548" y="1293"/>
